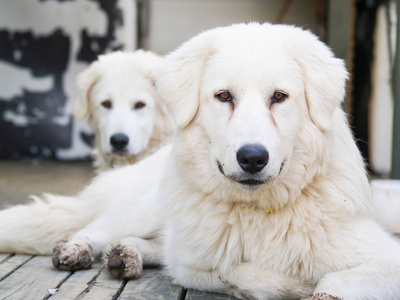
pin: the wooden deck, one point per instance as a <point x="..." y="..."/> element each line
<point x="34" y="277"/>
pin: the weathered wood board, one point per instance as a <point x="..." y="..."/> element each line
<point x="154" y="284"/>
<point x="11" y="263"/>
<point x="78" y="285"/>
<point x="32" y="280"/>
<point x="198" y="295"/>
<point x="26" y="277"/>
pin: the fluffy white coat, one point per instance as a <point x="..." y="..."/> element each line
<point x="301" y="225"/>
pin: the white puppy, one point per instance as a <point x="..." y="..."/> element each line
<point x="264" y="193"/>
<point x="129" y="119"/>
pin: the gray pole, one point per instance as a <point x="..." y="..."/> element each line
<point x="396" y="117"/>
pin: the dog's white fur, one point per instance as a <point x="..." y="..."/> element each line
<point x="124" y="79"/>
<point x="219" y="234"/>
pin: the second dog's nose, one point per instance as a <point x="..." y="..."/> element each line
<point x="119" y="141"/>
<point x="252" y="158"/>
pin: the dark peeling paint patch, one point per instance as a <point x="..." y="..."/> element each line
<point x="28" y="142"/>
<point x="94" y="45"/>
<point x="44" y="55"/>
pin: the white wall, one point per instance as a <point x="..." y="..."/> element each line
<point x="174" y="21"/>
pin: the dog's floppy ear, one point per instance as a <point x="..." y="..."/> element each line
<point x="178" y="78"/>
<point x="324" y="77"/>
<point x="85" y="82"/>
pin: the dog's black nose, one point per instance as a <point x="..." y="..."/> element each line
<point x="119" y="141"/>
<point x="252" y="158"/>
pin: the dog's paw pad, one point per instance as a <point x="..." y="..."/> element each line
<point x="124" y="262"/>
<point x="72" y="256"/>
<point x="321" y="296"/>
<point x="116" y="262"/>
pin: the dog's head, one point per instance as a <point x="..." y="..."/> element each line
<point x="117" y="92"/>
<point x="252" y="88"/>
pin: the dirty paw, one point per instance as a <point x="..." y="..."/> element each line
<point x="123" y="261"/>
<point x="321" y="296"/>
<point x="72" y="256"/>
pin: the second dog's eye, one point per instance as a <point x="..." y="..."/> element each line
<point x="224" y="96"/>
<point x="106" y="104"/>
<point x="139" y="105"/>
<point x="279" y="97"/>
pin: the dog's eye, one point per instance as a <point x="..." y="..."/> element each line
<point x="139" y="105"/>
<point x="279" y="97"/>
<point x="106" y="104"/>
<point x="224" y="96"/>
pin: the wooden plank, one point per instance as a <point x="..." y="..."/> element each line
<point x="105" y="287"/>
<point x="3" y="256"/>
<point x="198" y="295"/>
<point x="32" y="280"/>
<point x="154" y="284"/>
<point x="78" y="285"/>
<point x="11" y="264"/>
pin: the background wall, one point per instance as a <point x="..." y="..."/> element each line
<point x="171" y="22"/>
<point x="44" y="44"/>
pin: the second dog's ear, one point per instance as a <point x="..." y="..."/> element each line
<point x="179" y="76"/>
<point x="85" y="82"/>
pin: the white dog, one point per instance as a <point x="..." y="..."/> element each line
<point x="129" y="119"/>
<point x="263" y="194"/>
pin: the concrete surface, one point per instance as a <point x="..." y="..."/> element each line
<point x="19" y="179"/>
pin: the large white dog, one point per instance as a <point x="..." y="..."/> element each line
<point x="263" y="194"/>
<point x="129" y="119"/>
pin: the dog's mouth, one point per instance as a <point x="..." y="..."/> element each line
<point x="245" y="180"/>
<point x="120" y="152"/>
<point x="251" y="182"/>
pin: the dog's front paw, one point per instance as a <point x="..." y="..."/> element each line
<point x="123" y="261"/>
<point x="72" y="256"/>
<point x="321" y="296"/>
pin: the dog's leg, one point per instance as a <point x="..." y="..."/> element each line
<point x="84" y="247"/>
<point x="243" y="281"/>
<point x="376" y="274"/>
<point x="374" y="280"/>
<point x="378" y="277"/>
<point x="248" y="281"/>
<point x="125" y="258"/>
<point x="200" y="279"/>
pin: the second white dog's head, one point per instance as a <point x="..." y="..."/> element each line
<point x="118" y="93"/>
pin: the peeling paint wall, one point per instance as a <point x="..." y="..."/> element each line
<point x="44" y="44"/>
